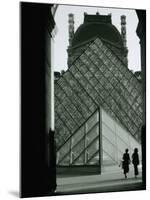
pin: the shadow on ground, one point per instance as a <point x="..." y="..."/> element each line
<point x="14" y="193"/>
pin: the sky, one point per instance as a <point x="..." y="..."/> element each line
<point x="61" y="37"/>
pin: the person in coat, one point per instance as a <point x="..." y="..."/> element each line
<point x="125" y="162"/>
<point x="135" y="161"/>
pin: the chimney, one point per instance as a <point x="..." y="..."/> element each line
<point x="71" y="28"/>
<point x="123" y="30"/>
<point x="124" y="39"/>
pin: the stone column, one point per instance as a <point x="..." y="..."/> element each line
<point x="141" y="32"/>
<point x="38" y="169"/>
<point x="124" y="38"/>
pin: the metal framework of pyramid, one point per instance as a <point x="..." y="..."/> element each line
<point x="96" y="79"/>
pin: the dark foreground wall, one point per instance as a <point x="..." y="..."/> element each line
<point x="38" y="176"/>
<point x="141" y="32"/>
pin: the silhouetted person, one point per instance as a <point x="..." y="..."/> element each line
<point x="135" y="161"/>
<point x="126" y="162"/>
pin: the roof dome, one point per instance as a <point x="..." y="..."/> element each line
<point x="97" y="26"/>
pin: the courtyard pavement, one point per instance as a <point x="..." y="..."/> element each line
<point x="111" y="179"/>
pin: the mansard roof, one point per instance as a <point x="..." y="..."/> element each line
<point x="97" y="26"/>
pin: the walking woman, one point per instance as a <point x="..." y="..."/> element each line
<point x="126" y="162"/>
<point x="135" y="161"/>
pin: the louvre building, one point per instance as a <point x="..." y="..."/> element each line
<point x="98" y="100"/>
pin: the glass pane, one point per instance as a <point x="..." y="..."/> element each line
<point x="77" y="136"/>
<point x="64" y="150"/>
<point x="95" y="159"/>
<point x="122" y="133"/>
<point x="92" y="121"/>
<point x="80" y="160"/>
<point x="107" y="160"/>
<point x="93" y="133"/>
<point x="93" y="147"/>
<point x="78" y="149"/>
<point x="109" y="148"/>
<point x="122" y="146"/>
<point x="65" y="161"/>
<point x="109" y="133"/>
<point x="107" y="120"/>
